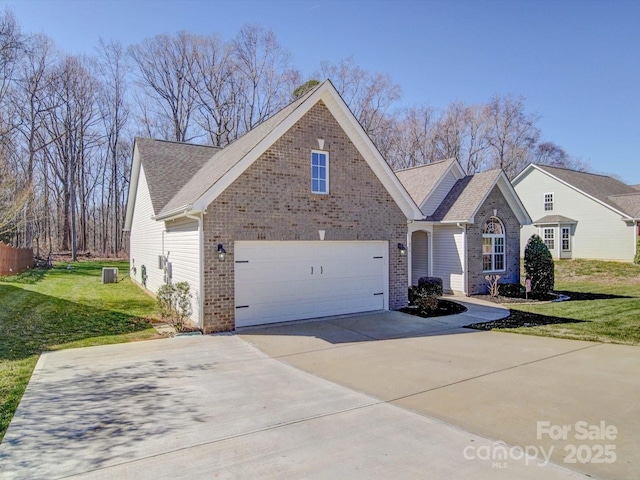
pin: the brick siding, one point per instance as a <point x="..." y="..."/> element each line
<point x="272" y="200"/>
<point x="477" y="283"/>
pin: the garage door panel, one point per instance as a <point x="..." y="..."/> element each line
<point x="281" y="281"/>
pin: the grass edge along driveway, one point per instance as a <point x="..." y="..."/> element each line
<point x="64" y="307"/>
<point x="605" y="305"/>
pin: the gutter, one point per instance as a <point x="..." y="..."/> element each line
<point x="200" y="220"/>
<point x="175" y="213"/>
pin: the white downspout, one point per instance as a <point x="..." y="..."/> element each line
<point x="635" y="239"/>
<point x="465" y="276"/>
<point x="409" y="256"/>
<point x="200" y="220"/>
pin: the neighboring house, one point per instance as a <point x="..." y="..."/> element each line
<point x="578" y="214"/>
<point x="471" y="227"/>
<point x="299" y="218"/>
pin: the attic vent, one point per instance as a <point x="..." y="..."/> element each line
<point x="109" y="275"/>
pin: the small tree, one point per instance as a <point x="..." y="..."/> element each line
<point x="538" y="265"/>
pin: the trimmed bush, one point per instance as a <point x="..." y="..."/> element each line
<point x="637" y="259"/>
<point x="512" y="290"/>
<point x="425" y="295"/>
<point x="538" y="265"/>
<point x="431" y="285"/>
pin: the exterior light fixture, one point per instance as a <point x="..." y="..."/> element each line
<point x="403" y="250"/>
<point x="222" y="253"/>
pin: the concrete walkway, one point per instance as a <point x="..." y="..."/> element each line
<point x="216" y="407"/>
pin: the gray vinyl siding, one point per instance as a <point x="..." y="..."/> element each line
<point x="448" y="255"/>
<point x="181" y="240"/>
<point x="419" y="256"/>
<point x="600" y="232"/>
<point x="439" y="194"/>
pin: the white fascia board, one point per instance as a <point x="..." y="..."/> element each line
<point x="240" y="167"/>
<point x="133" y="188"/>
<point x="354" y="131"/>
<point x="604" y="204"/>
<point x="370" y="153"/>
<point x="522" y="174"/>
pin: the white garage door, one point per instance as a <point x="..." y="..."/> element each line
<point x="282" y="281"/>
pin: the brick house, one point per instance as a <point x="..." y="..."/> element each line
<point x="471" y="226"/>
<point x="299" y="218"/>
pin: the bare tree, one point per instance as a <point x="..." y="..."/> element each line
<point x="264" y="77"/>
<point x="370" y="96"/>
<point x="512" y="134"/>
<point x="113" y="67"/>
<point x="164" y="66"/>
<point x="412" y="140"/>
<point x="214" y="81"/>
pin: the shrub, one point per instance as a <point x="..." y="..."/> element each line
<point x="538" y="265"/>
<point x="637" y="259"/>
<point x="493" y="284"/>
<point x="425" y="295"/>
<point x="513" y="290"/>
<point x="174" y="302"/>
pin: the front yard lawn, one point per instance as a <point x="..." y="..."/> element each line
<point x="604" y="305"/>
<point x="60" y="308"/>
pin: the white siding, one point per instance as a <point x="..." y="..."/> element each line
<point x="600" y="232"/>
<point x="419" y="256"/>
<point x="146" y="245"/>
<point x="441" y="191"/>
<point x="448" y="248"/>
<point x="182" y="246"/>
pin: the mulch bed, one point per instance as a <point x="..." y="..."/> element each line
<point x="519" y="319"/>
<point x="501" y="299"/>
<point x="445" y="307"/>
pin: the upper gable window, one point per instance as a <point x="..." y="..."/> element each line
<point x="319" y="172"/>
<point x="548" y="202"/>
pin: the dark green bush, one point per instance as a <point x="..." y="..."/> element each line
<point x="425" y="295"/>
<point x="538" y="265"/>
<point x="513" y="290"/>
<point x="431" y="285"/>
<point x="637" y="259"/>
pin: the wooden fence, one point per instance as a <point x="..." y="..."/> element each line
<point x="15" y="260"/>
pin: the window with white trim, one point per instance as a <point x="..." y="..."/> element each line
<point x="565" y="236"/>
<point x="549" y="238"/>
<point x="548" y="202"/>
<point x="319" y="172"/>
<point x="493" y="246"/>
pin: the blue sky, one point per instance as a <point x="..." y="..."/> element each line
<point x="577" y="63"/>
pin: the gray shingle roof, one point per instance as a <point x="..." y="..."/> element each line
<point x="629" y="203"/>
<point x="223" y="161"/>
<point x="169" y="165"/>
<point x="598" y="186"/>
<point x="549" y="219"/>
<point x="420" y="181"/>
<point x="464" y="199"/>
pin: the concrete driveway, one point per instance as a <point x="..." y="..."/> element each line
<point x="496" y="385"/>
<point x="406" y="398"/>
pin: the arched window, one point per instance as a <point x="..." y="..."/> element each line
<point x="493" y="244"/>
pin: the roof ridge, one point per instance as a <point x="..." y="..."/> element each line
<point x="577" y="171"/>
<point x="179" y="143"/>
<point x="425" y="165"/>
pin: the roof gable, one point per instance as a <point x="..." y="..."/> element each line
<point x="423" y="180"/>
<point x="601" y="188"/>
<point x="469" y="193"/>
<point x="227" y="165"/>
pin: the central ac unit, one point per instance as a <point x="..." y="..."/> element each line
<point x="109" y="275"/>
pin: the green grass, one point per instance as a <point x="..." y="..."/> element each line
<point x="606" y="301"/>
<point x="61" y="308"/>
